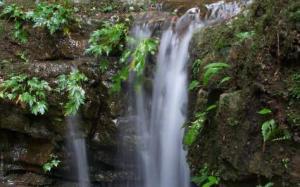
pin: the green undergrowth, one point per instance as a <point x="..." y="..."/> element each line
<point x="72" y="85"/>
<point x="32" y="92"/>
<point x="112" y="39"/>
<point x="27" y="92"/>
<point x="53" y="17"/>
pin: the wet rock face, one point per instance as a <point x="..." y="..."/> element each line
<point x="27" y="141"/>
<point x="231" y="141"/>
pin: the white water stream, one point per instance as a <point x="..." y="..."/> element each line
<point x="161" y="115"/>
<point x="78" y="149"/>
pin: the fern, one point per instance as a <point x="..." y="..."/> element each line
<point x="137" y="61"/>
<point x="212" y="70"/>
<point x="196" y="126"/>
<point x="195" y="129"/>
<point x="23" y="90"/>
<point x="143" y="49"/>
<point x="76" y="94"/>
<point x="196" y="67"/>
<point x="106" y="39"/>
<point x="53" y="162"/>
<point x="54" y="17"/>
<point x="16" y="14"/>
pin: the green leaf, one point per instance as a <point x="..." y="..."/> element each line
<point x="265" y="111"/>
<point x="195" y="129"/>
<point x="72" y="84"/>
<point x="268" y="129"/>
<point x="47" y="167"/>
<point x="211" y="107"/>
<point x="212" y="181"/>
<point x="225" y="79"/>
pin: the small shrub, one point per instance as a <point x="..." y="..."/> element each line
<point x="137" y="59"/>
<point x="139" y="55"/>
<point x="107" y="39"/>
<point x="53" y="162"/>
<point x="54" y="17"/>
<point x="76" y="94"/>
<point x="14" y="13"/>
<point x="26" y="91"/>
<point x="270" y="130"/>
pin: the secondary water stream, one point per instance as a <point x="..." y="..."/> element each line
<point x="78" y="150"/>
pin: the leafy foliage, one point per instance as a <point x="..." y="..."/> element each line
<point x="16" y="14"/>
<point x="53" y="162"/>
<point x="268" y="129"/>
<point x="23" y="90"/>
<point x="137" y="60"/>
<point x="196" y="126"/>
<point x="106" y="39"/>
<point x="121" y="76"/>
<point x="195" y="129"/>
<point x="196" y="67"/>
<point x="206" y="178"/>
<point x="213" y="69"/>
<point x="13" y="12"/>
<point x="143" y="49"/>
<point x="195" y="71"/>
<point x="76" y="94"/>
<point x="54" y="17"/>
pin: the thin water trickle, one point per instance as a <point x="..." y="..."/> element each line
<point x="78" y="149"/>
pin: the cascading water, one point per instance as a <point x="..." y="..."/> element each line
<point x="78" y="150"/>
<point x="159" y="117"/>
<point x="166" y="159"/>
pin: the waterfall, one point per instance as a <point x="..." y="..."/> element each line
<point x="78" y="150"/>
<point x="160" y="115"/>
